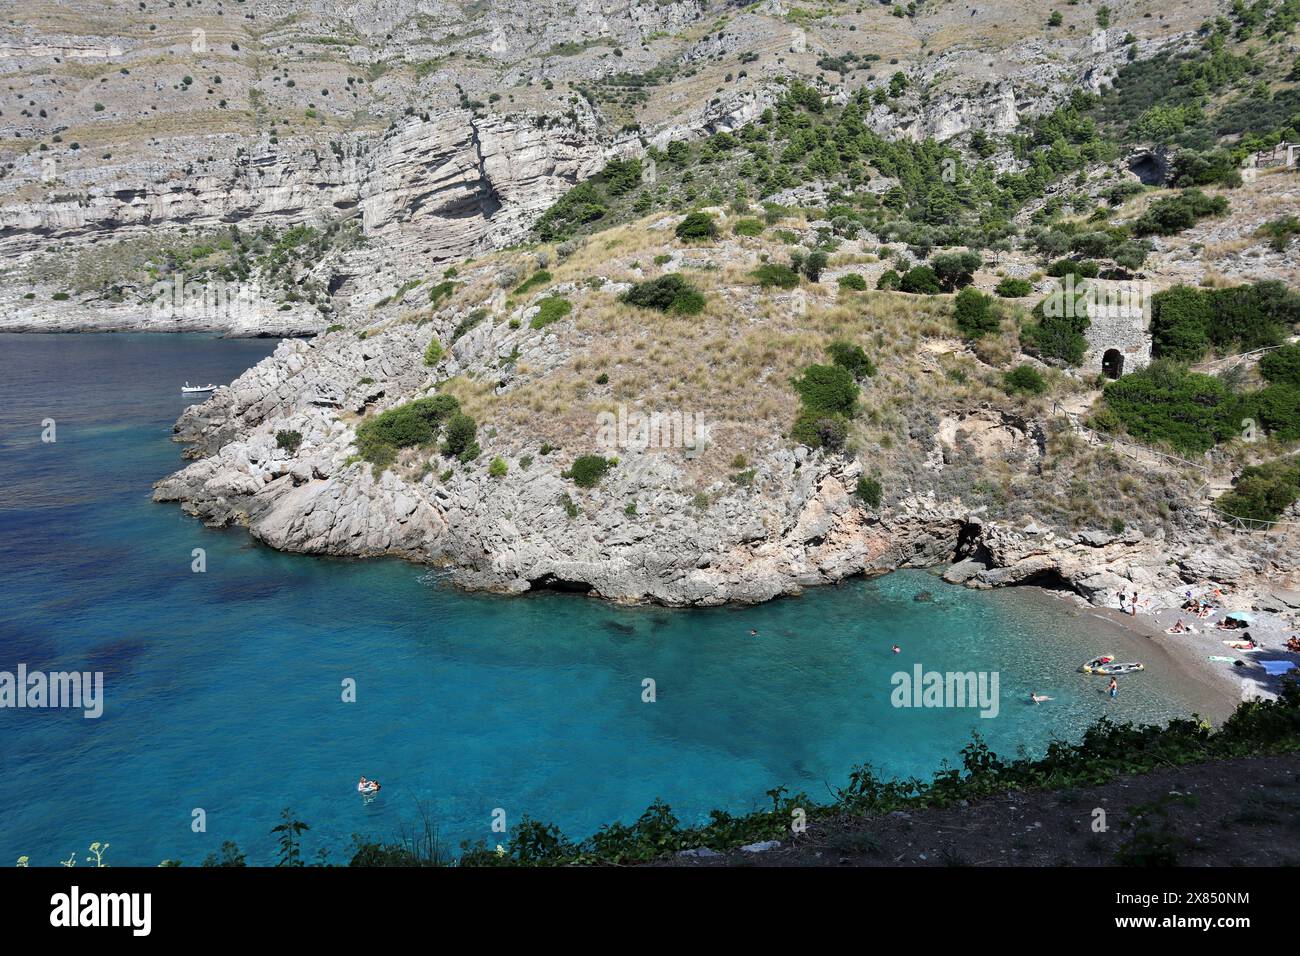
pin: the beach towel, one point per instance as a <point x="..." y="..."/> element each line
<point x="1276" y="668"/>
<point x="1221" y="660"/>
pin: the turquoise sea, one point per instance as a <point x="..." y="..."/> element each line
<point x="223" y="690"/>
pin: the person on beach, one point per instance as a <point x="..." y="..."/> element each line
<point x="1133" y="607"/>
<point x="1113" y="689"/>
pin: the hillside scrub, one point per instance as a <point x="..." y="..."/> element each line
<point x="919" y="280"/>
<point x="551" y="309"/>
<point x="433" y="353"/>
<point x="1186" y="322"/>
<point x="415" y="423"/>
<point x="852" y="359"/>
<point x="1010" y="288"/>
<point x="1282" y="367"/>
<point x="1172" y="214"/>
<point x="1263" y="492"/>
<point x="696" y="226"/>
<point x="1165" y="403"/>
<point x="1056" y="329"/>
<point x="587" y="470"/>
<point x="828" y="399"/>
<point x="974" y="314"/>
<point x="1024" y="380"/>
<point x="670" y="293"/>
<point x="771" y="274"/>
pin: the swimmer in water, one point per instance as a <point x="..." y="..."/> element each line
<point x="1037" y="698"/>
<point x="897" y="649"/>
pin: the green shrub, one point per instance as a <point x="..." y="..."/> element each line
<point x="621" y="176"/>
<point x="771" y="274"/>
<point x="974" y="313"/>
<point x="288" y="440"/>
<point x="1277" y="409"/>
<point x="1172" y="214"/>
<point x="1282" y="367"/>
<point x="1180" y="323"/>
<point x="1279" y="232"/>
<point x="441" y="291"/>
<point x="582" y="204"/>
<point x="1215" y="168"/>
<point x="851" y="358"/>
<point x="551" y="309"/>
<point x="587" y="470"/>
<point x="467" y="323"/>
<point x="534" y="281"/>
<point x="1165" y="403"/>
<point x="696" y="225"/>
<point x="748" y="227"/>
<point x="60" y="297"/>
<point x="1024" y="379"/>
<point x="828" y="390"/>
<point x="813" y="264"/>
<point x="889" y="280"/>
<point x="433" y="354"/>
<point x="869" y="490"/>
<point x="955" y="270"/>
<point x="1186" y="321"/>
<point x="854" y="281"/>
<point x="1056" y="329"/>
<point x="498" y="467"/>
<point x="1080" y="269"/>
<point x="1010" y="288"/>
<point x="820" y="431"/>
<point x="670" y="293"/>
<point x="415" y="423"/>
<point x="1263" y="492"/>
<point x="919" y="280"/>
<point x="459" y="442"/>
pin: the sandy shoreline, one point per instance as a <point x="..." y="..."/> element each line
<point x="1214" y="688"/>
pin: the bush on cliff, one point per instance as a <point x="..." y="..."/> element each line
<point x="1164" y="403"/>
<point x="974" y="314"/>
<point x="587" y="470"/>
<point x="1263" y="492"/>
<point x="415" y="423"/>
<point x="670" y="293"/>
<point x="460" y="442"/>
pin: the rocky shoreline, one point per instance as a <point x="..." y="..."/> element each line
<point x="797" y="525"/>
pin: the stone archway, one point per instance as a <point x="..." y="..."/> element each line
<point x="1112" y="363"/>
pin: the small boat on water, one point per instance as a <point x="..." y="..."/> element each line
<point x="1097" y="662"/>
<point x="1112" y="668"/>
<point x="188" y="389"/>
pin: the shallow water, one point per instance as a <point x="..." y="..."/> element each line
<point x="223" y="689"/>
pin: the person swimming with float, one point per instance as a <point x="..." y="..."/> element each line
<point x="367" y="786"/>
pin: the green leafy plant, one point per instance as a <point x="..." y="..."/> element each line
<point x="551" y="309"/>
<point x="670" y="293"/>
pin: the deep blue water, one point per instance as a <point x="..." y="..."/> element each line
<point x="223" y="689"/>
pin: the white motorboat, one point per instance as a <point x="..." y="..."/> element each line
<point x="189" y="389"/>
